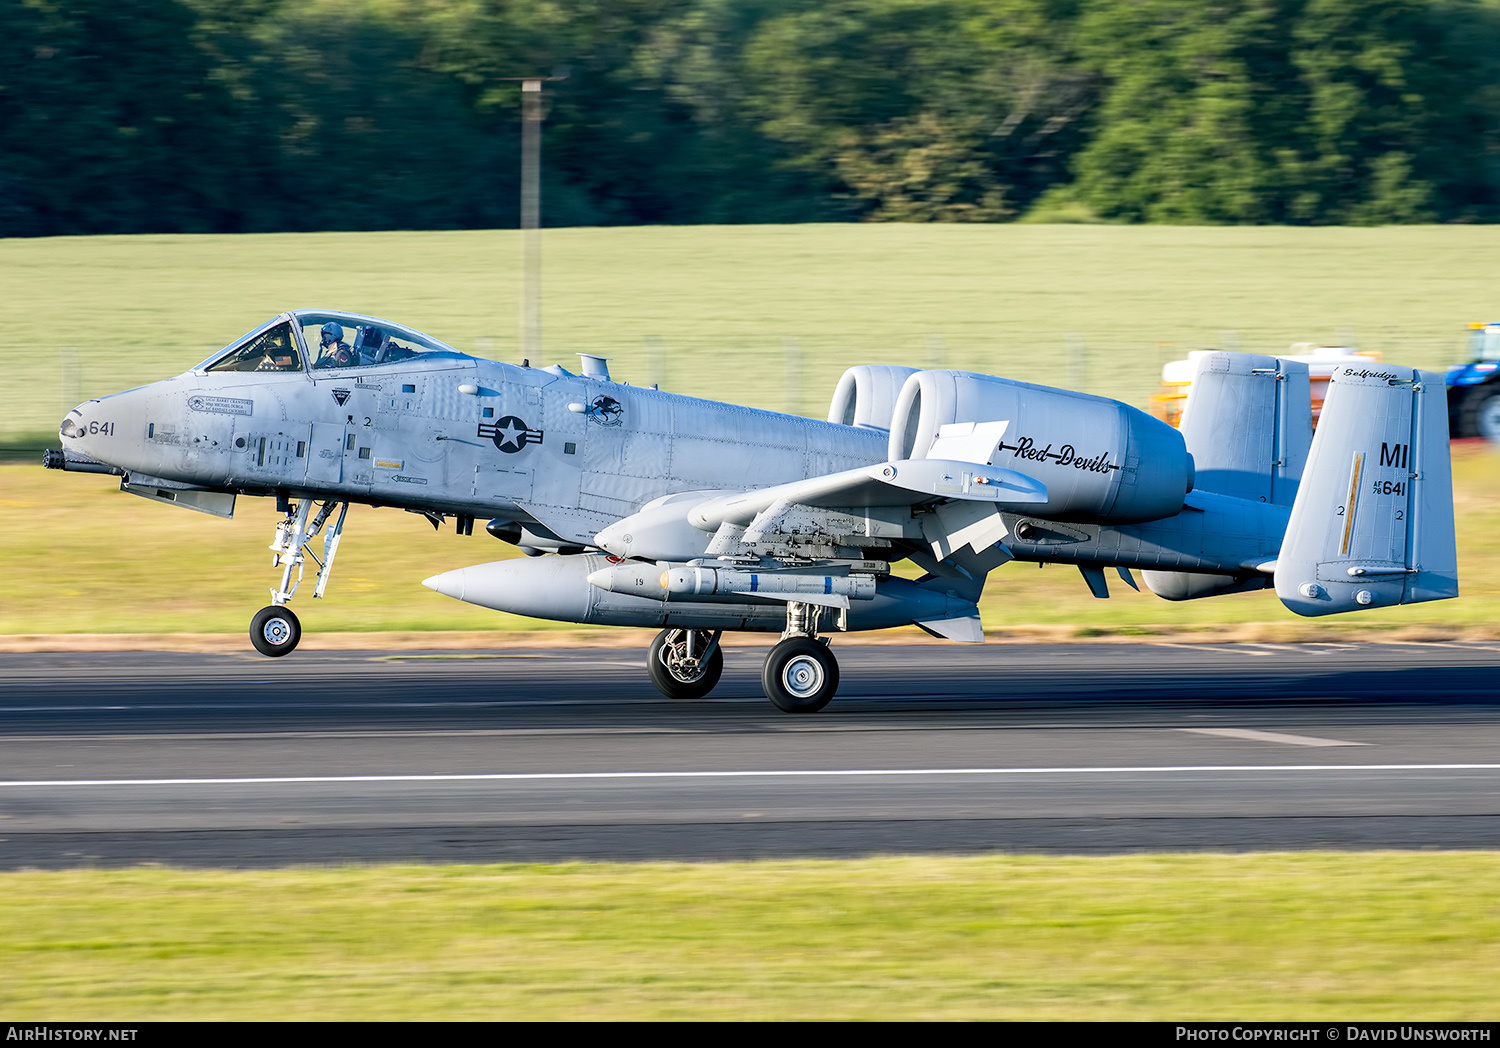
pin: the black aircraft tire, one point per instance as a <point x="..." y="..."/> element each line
<point x="672" y="686"/>
<point x="1479" y="414"/>
<point x="275" y="631"/>
<point x="800" y="675"/>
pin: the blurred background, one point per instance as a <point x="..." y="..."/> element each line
<point x="234" y="116"/>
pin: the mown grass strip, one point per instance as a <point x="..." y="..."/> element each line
<point x="1314" y="936"/>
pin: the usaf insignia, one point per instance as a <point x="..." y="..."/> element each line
<point x="510" y="434"/>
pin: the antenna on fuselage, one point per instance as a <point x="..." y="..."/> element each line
<point x="594" y="366"/>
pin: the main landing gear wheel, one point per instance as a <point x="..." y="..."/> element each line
<point x="800" y="675"/>
<point x="275" y="631"/>
<point x="685" y="664"/>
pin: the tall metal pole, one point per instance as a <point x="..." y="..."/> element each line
<point x="531" y="218"/>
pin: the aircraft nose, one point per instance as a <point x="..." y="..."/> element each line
<point x="74" y="430"/>
<point x="109" y="429"/>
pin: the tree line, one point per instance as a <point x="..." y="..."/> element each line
<point x="127" y="116"/>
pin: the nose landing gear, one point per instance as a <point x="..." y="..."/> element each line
<point x="275" y="630"/>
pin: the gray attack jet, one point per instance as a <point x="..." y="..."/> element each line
<point x="638" y="507"/>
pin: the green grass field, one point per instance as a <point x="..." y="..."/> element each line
<point x="1312" y="937"/>
<point x="85" y="316"/>
<point x="726" y="304"/>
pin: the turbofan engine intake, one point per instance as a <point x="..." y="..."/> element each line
<point x="866" y="395"/>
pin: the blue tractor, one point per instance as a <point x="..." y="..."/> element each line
<point x="1474" y="388"/>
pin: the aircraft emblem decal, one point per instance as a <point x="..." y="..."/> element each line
<point x="340" y="395"/>
<point x="606" y="411"/>
<point x="510" y="434"/>
<point x="222" y="405"/>
<point x="1067" y="455"/>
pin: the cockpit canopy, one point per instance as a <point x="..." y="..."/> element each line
<point x="324" y="340"/>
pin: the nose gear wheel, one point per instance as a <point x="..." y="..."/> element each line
<point x="275" y="631"/>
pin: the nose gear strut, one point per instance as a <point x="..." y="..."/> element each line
<point x="275" y="630"/>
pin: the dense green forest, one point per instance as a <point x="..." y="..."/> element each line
<point x="121" y="116"/>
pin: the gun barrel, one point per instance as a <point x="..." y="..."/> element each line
<point x="56" y="458"/>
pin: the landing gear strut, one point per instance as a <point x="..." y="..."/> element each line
<point x="800" y="674"/>
<point x="686" y="664"/>
<point x="275" y="630"/>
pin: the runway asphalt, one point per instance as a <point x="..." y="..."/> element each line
<point x="235" y="760"/>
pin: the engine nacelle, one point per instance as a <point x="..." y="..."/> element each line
<point x="866" y="395"/>
<point x="1101" y="460"/>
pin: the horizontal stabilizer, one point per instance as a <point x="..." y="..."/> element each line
<point x="1373" y="522"/>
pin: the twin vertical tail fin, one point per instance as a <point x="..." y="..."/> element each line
<point x="1248" y="424"/>
<point x="1372" y="524"/>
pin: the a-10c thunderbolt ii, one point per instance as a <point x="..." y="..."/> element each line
<point x="695" y="517"/>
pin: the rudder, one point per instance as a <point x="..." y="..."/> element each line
<point x="1372" y="525"/>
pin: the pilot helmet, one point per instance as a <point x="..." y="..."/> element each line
<point x="332" y="333"/>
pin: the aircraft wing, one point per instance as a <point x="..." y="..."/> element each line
<point x="905" y="483"/>
<point x="957" y="535"/>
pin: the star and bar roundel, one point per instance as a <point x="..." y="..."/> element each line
<point x="510" y="434"/>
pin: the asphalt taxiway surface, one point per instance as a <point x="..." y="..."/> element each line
<point x="235" y="760"/>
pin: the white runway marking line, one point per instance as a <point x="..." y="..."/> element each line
<point x="565" y="776"/>
<point x="1209" y="647"/>
<point x="1272" y="736"/>
<point x="1461" y="646"/>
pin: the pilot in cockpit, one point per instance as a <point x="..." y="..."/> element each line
<point x="333" y="351"/>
